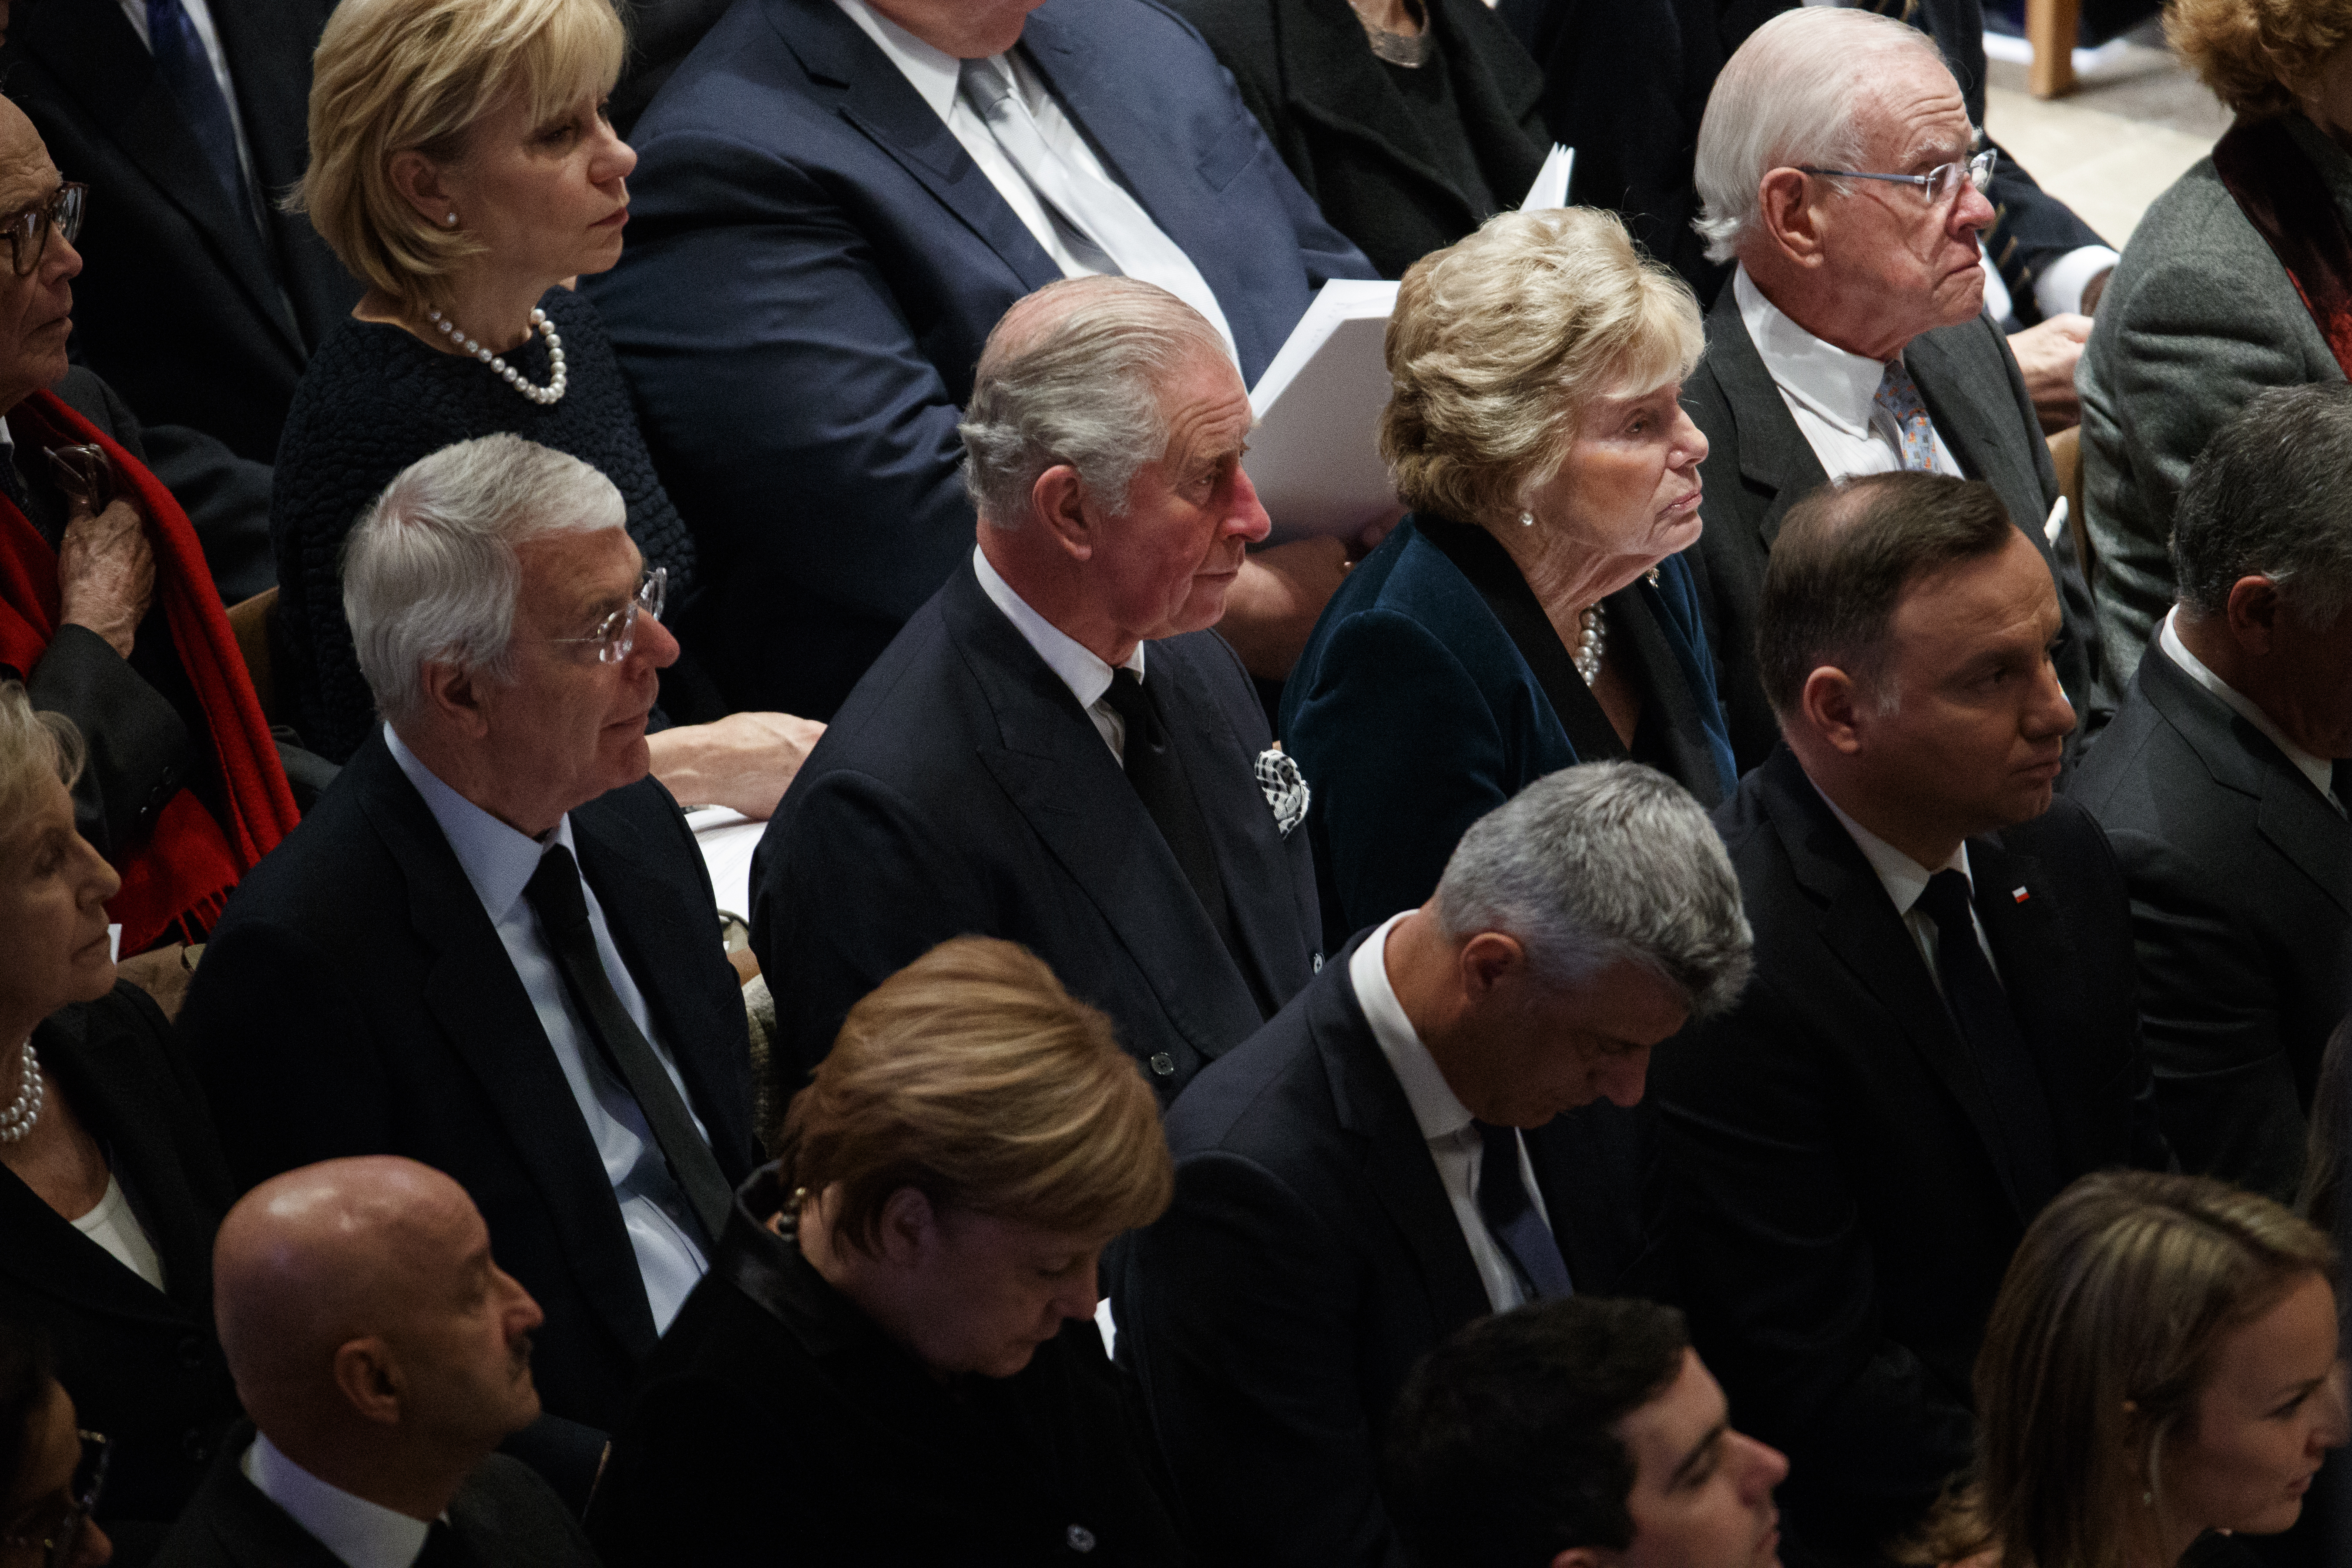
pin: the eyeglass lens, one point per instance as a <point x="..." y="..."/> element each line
<point x="28" y="231"/>
<point x="620" y="634"/>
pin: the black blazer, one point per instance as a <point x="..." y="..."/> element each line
<point x="355" y="1000"/>
<point x="504" y="1514"/>
<point x="962" y="791"/>
<point x="1310" y="1257"/>
<point x="1834" y="1206"/>
<point x="142" y="1363"/>
<point x="184" y="307"/>
<point x="1336" y="114"/>
<point x="2240" y="879"/>
<point x="777" y="1423"/>
<point x="1758" y="465"/>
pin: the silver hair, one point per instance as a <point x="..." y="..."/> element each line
<point x="1792" y="94"/>
<point x="1602" y="862"/>
<point x="1085" y="391"/>
<point x="34" y="746"/>
<point x="430" y="573"/>
<point x="2265" y="498"/>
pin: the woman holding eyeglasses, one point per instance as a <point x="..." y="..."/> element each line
<point x="51" y="1472"/>
<point x="461" y="165"/>
<point x="111" y="1178"/>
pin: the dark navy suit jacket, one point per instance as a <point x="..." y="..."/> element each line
<point x="1414" y="713"/>
<point x="962" y="790"/>
<point x="813" y="263"/>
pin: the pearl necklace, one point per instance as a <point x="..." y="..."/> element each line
<point x="550" y="392"/>
<point x="23" y="1111"/>
<point x="1593" y="638"/>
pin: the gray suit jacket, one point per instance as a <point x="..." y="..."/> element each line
<point x="2240" y="880"/>
<point x="1758" y="465"/>
<point x="2198" y="316"/>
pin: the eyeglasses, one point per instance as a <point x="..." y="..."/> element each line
<point x="1938" y="183"/>
<point x="53" y="1527"/>
<point x="28" y="231"/>
<point x="617" y="634"/>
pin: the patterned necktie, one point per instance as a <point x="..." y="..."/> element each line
<point x="1981" y="1009"/>
<point x="1899" y="397"/>
<point x="187" y="71"/>
<point x="1511" y="1215"/>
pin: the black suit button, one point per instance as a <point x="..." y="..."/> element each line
<point x="192" y="1352"/>
<point x="196" y="1445"/>
<point x="1080" y="1537"/>
<point x="1164" y="1064"/>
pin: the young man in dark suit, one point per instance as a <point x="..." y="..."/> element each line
<point x="1055" y="750"/>
<point x="419" y="970"/>
<point x="2217" y="785"/>
<point x="381" y="1353"/>
<point x="1940" y="1033"/>
<point x="1851" y="339"/>
<point x="1417" y="1141"/>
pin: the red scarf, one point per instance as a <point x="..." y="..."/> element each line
<point x="2285" y="199"/>
<point x="177" y="882"/>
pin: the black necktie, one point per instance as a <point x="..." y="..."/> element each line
<point x="554" y="891"/>
<point x="1980" y="1009"/>
<point x="187" y="73"/>
<point x="445" y="1548"/>
<point x="1159" y="779"/>
<point x="1511" y="1214"/>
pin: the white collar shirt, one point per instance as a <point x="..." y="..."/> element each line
<point x="1076" y="666"/>
<point x="1455" y="1146"/>
<point x="1831" y="394"/>
<point x="200" y="18"/>
<point x="1905" y="880"/>
<point x="360" y="1534"/>
<point x="499" y="862"/>
<point x="2318" y="769"/>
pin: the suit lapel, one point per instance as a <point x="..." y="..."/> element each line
<point x="2036" y="957"/>
<point x="472" y="989"/>
<point x="878" y="101"/>
<point x="1776" y="461"/>
<point x="1976" y="416"/>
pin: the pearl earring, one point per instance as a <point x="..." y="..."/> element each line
<point x="451" y="220"/>
<point x="1527" y="520"/>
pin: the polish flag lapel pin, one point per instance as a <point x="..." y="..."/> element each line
<point x="2019" y="894"/>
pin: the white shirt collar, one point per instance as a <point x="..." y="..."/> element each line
<point x="361" y="1533"/>
<point x="1841" y="387"/>
<point x="1087" y="676"/>
<point x="1440" y="1112"/>
<point x="499" y="861"/>
<point x="2318" y="769"/>
<point x="1904" y="878"/>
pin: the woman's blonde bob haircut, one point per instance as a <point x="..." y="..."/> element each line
<point x="974" y="1077"/>
<point x="394" y="75"/>
<point x="2099" y="1347"/>
<point x="1500" y="340"/>
<point x="2256" y="54"/>
<point x="34" y="746"/>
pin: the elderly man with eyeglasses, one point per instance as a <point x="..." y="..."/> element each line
<point x="1837" y="167"/>
<point x="491" y="947"/>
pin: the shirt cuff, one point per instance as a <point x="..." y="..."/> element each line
<point x="2059" y="289"/>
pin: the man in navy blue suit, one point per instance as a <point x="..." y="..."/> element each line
<point x="835" y="201"/>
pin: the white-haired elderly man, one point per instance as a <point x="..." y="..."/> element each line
<point x="1838" y="168"/>
<point x="1055" y="750"/>
<point x="491" y="947"/>
<point x="1417" y="1141"/>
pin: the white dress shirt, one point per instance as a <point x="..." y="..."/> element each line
<point x="499" y="861"/>
<point x="201" y="17"/>
<point x="1087" y="677"/>
<point x="361" y="1534"/>
<point x="1833" y="394"/>
<point x="2318" y="769"/>
<point x="937" y="77"/>
<point x="1904" y="880"/>
<point x="1455" y="1146"/>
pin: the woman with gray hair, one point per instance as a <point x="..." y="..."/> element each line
<point x="1531" y="611"/>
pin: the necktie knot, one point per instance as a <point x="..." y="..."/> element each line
<point x="553" y="891"/>
<point x="1133" y="705"/>
<point x="1898" y="395"/>
<point x="1946" y="901"/>
<point x="986" y="83"/>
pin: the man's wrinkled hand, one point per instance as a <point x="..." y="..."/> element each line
<point x="1273" y="604"/>
<point x="744" y="761"/>
<point x="106" y="573"/>
<point x="2047" y="353"/>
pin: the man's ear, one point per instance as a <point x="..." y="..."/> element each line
<point x="456" y="694"/>
<point x="368" y="1377"/>
<point x="1834" y="708"/>
<point x="1788" y="218"/>
<point x="1489" y="959"/>
<point x="1584" y="1557"/>
<point x="1057" y="503"/>
<point x="419" y="180"/>
<point x="2254" y="609"/>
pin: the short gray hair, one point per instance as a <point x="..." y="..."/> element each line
<point x="2265" y="498"/>
<point x="1603" y="862"/>
<point x="1083" y="388"/>
<point x="430" y="573"/>
<point x="34" y="746"/>
<point x="1792" y="94"/>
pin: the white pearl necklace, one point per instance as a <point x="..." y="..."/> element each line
<point x="550" y="392"/>
<point x="1593" y="638"/>
<point x="23" y="1111"/>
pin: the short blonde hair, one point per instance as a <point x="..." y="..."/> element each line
<point x="394" y="75"/>
<point x="2256" y="54"/>
<point x="34" y="746"/>
<point x="1500" y="340"/>
<point x="974" y="1077"/>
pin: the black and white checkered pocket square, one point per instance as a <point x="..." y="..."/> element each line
<point x="1285" y="789"/>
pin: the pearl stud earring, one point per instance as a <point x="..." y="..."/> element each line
<point x="451" y="220"/>
<point x="1527" y="520"/>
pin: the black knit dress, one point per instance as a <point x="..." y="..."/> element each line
<point x="373" y="401"/>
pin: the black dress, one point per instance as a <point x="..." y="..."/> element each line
<point x="142" y="1363"/>
<point x="776" y="1424"/>
<point x="374" y="400"/>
